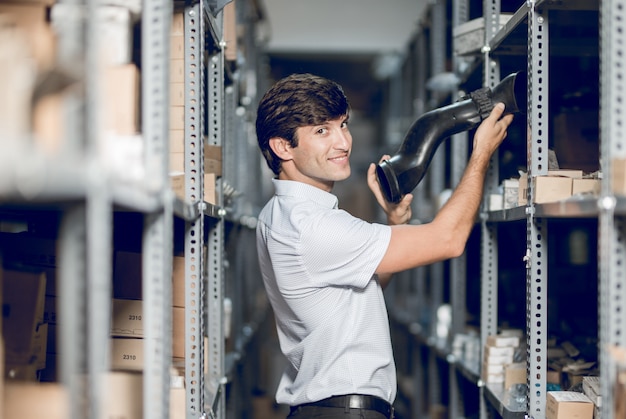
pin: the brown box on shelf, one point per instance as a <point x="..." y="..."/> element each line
<point x="177" y="70"/>
<point x="576" y="140"/>
<point x="177" y="162"/>
<point x="35" y="400"/>
<point x="177" y="47"/>
<point x="177" y="94"/>
<point x="502" y="341"/>
<point x="568" y="405"/>
<point x="230" y="31"/>
<point x="126" y="354"/>
<point x="213" y="166"/>
<point x="122" y="92"/>
<point x="30" y="19"/>
<point x="618" y="176"/>
<point x="123" y="395"/>
<point x="178" y="24"/>
<point x="177" y="141"/>
<point x="126" y="318"/>
<point x="556" y="186"/>
<point x="514" y="373"/>
<point x="210" y="193"/>
<point x="586" y="186"/>
<point x="177" y="117"/>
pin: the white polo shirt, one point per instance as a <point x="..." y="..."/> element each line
<point x="318" y="265"/>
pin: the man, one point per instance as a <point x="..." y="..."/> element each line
<point x="323" y="269"/>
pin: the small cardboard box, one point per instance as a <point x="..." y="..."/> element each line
<point x="568" y="405"/>
<point x="552" y="188"/>
<point x="36" y="400"/>
<point x="126" y="318"/>
<point x="123" y="395"/>
<point x="500" y="341"/>
<point x="514" y="373"/>
<point x="126" y="354"/>
<point x="618" y="176"/>
<point x="586" y="186"/>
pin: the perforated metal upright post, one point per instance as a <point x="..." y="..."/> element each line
<point x="158" y="226"/>
<point x="194" y="192"/>
<point x="489" y="232"/>
<point x="536" y="228"/>
<point x="215" y="241"/>
<point x="612" y="228"/>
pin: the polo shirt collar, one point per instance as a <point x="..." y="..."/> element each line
<point x="305" y="191"/>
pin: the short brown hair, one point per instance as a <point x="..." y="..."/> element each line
<point x="297" y="100"/>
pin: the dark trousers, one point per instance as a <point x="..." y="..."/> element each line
<point x="317" y="412"/>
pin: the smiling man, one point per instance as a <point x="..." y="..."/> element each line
<point x="323" y="269"/>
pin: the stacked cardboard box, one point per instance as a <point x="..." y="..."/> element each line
<point x="498" y="353"/>
<point x="558" y="185"/>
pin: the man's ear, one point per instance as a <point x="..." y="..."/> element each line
<point x="281" y="148"/>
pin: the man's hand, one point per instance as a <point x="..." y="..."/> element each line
<point x="399" y="213"/>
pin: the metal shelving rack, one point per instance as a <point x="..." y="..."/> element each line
<point x="85" y="196"/>
<point x="526" y="34"/>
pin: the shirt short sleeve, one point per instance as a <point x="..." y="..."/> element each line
<point x="343" y="250"/>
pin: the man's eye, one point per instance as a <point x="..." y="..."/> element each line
<point x="344" y="124"/>
<point x="321" y="130"/>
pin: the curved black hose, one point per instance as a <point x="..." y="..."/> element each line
<point x="401" y="173"/>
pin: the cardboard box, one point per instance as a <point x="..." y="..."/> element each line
<point x="177" y="94"/>
<point x="126" y="354"/>
<point x="177" y="117"/>
<point x="178" y="24"/>
<point x="35" y="400"/>
<point x="500" y="341"/>
<point x="30" y="19"/>
<point x="586" y="186"/>
<point x="568" y="405"/>
<point x="178" y="402"/>
<point x="230" y="31"/>
<point x="126" y="318"/>
<point x="127" y="322"/>
<point x="121" y="97"/>
<point x="514" y="373"/>
<point x="177" y="47"/>
<point x="552" y="188"/>
<point x="177" y="162"/>
<point x="618" y="176"/>
<point x="177" y="141"/>
<point x="123" y="395"/>
<point x="210" y="191"/>
<point x="177" y="70"/>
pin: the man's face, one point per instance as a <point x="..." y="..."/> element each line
<point x="322" y="156"/>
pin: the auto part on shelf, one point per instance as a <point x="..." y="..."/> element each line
<point x="401" y="173"/>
